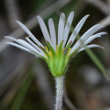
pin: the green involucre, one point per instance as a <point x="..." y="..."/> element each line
<point x="57" y="60"/>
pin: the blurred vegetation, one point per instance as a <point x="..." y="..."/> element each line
<point x="22" y="92"/>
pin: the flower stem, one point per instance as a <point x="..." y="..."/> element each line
<point x="59" y="92"/>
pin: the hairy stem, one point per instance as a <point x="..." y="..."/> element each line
<point x="59" y="92"/>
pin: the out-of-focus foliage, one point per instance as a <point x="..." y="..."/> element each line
<point x="24" y="88"/>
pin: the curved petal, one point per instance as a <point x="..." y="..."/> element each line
<point x="85" y="36"/>
<point x="52" y="32"/>
<point x="90" y="46"/>
<point x="24" y="45"/>
<point x="35" y="46"/>
<point x="67" y="27"/>
<point x="90" y="39"/>
<point x="29" y="33"/>
<point x="44" y="29"/>
<point x="61" y="28"/>
<point x="91" y="31"/>
<point x="27" y="45"/>
<point x="10" y="38"/>
<point x="20" y="47"/>
<point x="77" y="29"/>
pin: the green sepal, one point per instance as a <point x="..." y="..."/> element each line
<point x="50" y="65"/>
<point x="44" y="50"/>
<point x="61" y="65"/>
<point x="60" y="48"/>
<point x="51" y="48"/>
<point x="67" y="48"/>
<point x="57" y="60"/>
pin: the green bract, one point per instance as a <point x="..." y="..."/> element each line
<point x="57" y="60"/>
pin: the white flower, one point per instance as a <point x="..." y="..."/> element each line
<point x="59" y="47"/>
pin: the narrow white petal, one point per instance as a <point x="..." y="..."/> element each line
<point x="18" y="46"/>
<point x="29" y="33"/>
<point x="90" y="39"/>
<point x="52" y="33"/>
<point x="90" y="46"/>
<point x="67" y="27"/>
<point x="77" y="29"/>
<point x="27" y="45"/>
<point x="73" y="49"/>
<point x="85" y="36"/>
<point x="91" y="31"/>
<point x="35" y="46"/>
<point x="61" y="28"/>
<point x="44" y="29"/>
<point x="10" y="38"/>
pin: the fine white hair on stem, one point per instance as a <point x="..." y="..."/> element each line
<point x="59" y="92"/>
<point x="44" y="29"/>
<point x="61" y="28"/>
<point x="29" y="33"/>
<point x="52" y="32"/>
<point x="67" y="27"/>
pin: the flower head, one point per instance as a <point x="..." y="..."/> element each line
<point x="60" y="48"/>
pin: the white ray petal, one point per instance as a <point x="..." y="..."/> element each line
<point x="77" y="29"/>
<point x="35" y="46"/>
<point x="85" y="36"/>
<point x="19" y="46"/>
<point x="21" y="42"/>
<point x="27" y="45"/>
<point x="61" y="28"/>
<point x="91" y="31"/>
<point x="29" y="33"/>
<point x="44" y="29"/>
<point x="52" y="32"/>
<point x="67" y="27"/>
<point x="90" y="46"/>
<point x="90" y="39"/>
<point x="10" y="38"/>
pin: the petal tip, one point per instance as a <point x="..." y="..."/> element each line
<point x="18" y="22"/>
<point x="72" y="12"/>
<point x="105" y="33"/>
<point x="50" y="20"/>
<point x="6" y="37"/>
<point x="38" y="17"/>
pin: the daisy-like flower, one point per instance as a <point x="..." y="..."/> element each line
<point x="59" y="48"/>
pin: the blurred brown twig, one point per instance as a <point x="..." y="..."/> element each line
<point x="100" y="5"/>
<point x="67" y="101"/>
<point x="12" y="12"/>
